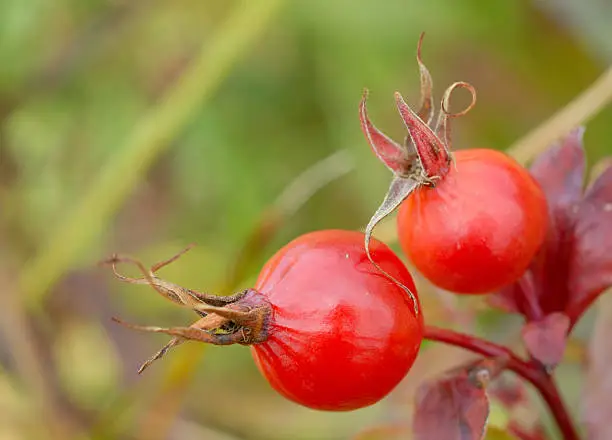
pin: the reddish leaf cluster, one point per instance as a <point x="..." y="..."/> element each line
<point x="574" y="265"/>
<point x="456" y="407"/>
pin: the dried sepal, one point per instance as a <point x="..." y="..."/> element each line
<point x="425" y="152"/>
<point x="208" y="330"/>
<point x="426" y="110"/>
<point x="442" y="129"/>
<point x="398" y="191"/>
<point x="173" y="292"/>
<point x="433" y="155"/>
<point x="237" y="319"/>
<point x="174" y="342"/>
<point x="398" y="158"/>
<point x="421" y="160"/>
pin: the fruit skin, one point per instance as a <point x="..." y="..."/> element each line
<point x="480" y="226"/>
<point x="341" y="335"/>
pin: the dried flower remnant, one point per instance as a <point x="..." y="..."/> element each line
<point x="424" y="155"/>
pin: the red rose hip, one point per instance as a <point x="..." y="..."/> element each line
<point x="469" y="222"/>
<point x="326" y="328"/>
<point x="342" y="334"/>
<point x="479" y="227"/>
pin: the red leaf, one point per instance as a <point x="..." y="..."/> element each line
<point x="455" y="407"/>
<point x="574" y="265"/>
<point x="591" y="272"/>
<point x="560" y="171"/>
<point x="546" y="339"/>
<point x="544" y="288"/>
<point x="512" y="298"/>
<point x="452" y="409"/>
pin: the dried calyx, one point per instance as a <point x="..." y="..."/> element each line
<point x="237" y="319"/>
<point x="424" y="156"/>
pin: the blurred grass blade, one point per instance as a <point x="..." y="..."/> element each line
<point x="313" y="179"/>
<point x="295" y="195"/>
<point x="109" y="189"/>
<point x="586" y="105"/>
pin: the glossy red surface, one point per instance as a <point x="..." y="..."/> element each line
<point x="342" y="335"/>
<point x="479" y="227"/>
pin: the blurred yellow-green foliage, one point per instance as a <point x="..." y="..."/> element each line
<point x="139" y="126"/>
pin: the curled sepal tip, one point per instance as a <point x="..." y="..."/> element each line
<point x="442" y="129"/>
<point x="400" y="189"/>
<point x="426" y="111"/>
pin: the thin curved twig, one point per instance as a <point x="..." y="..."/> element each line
<point x="586" y="105"/>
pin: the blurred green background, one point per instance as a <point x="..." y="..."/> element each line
<point x="139" y="126"/>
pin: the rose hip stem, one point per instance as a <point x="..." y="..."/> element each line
<point x="530" y="371"/>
